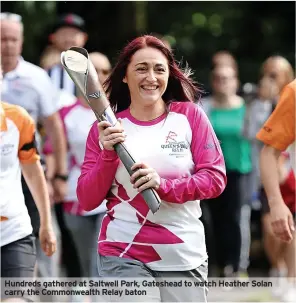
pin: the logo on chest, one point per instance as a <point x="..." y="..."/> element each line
<point x="176" y="146"/>
<point x="6" y="149"/>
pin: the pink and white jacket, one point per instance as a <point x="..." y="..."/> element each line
<point x="182" y="147"/>
<point x="77" y="120"/>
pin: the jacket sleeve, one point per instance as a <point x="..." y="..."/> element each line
<point x="63" y="112"/>
<point x="209" y="177"/>
<point x="97" y="172"/>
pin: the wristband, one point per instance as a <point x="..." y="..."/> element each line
<point x="61" y="177"/>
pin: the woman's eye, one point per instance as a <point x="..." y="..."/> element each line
<point x="160" y="69"/>
<point x="141" y="69"/>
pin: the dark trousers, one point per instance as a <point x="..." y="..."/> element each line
<point x="32" y="208"/>
<point x="69" y="251"/>
<point x="222" y="216"/>
<point x="18" y="258"/>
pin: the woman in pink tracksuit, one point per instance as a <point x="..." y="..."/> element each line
<point x="177" y="154"/>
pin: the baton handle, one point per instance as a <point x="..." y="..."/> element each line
<point x="149" y="195"/>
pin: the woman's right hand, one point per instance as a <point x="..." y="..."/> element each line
<point x="282" y="221"/>
<point x="110" y="135"/>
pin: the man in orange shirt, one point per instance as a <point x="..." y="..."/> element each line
<point x="278" y="133"/>
<point x="19" y="154"/>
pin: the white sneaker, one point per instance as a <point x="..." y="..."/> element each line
<point x="278" y="283"/>
<point x="277" y="292"/>
<point x="289" y="295"/>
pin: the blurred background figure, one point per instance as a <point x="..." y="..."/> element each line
<point x="101" y="64"/>
<point x="279" y="69"/>
<point x="220" y="58"/>
<point x="68" y="30"/>
<point x="224" y="58"/>
<point x="50" y="57"/>
<point x="226" y="111"/>
<point x="259" y="109"/>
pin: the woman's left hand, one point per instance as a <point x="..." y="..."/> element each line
<point x="145" y="177"/>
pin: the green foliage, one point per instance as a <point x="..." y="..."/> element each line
<point x="252" y="31"/>
<point x="37" y="17"/>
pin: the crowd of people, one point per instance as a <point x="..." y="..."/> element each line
<point x="71" y="209"/>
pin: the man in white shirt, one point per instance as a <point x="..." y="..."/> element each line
<point x="69" y="30"/>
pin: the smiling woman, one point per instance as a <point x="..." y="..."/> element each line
<point x="133" y="68"/>
<point x="147" y="80"/>
<point x="178" y="155"/>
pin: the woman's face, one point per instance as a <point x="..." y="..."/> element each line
<point x="223" y="60"/>
<point x="102" y="66"/>
<point x="224" y="81"/>
<point x="267" y="89"/>
<point x="66" y="37"/>
<point x="147" y="76"/>
<point x="274" y="70"/>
